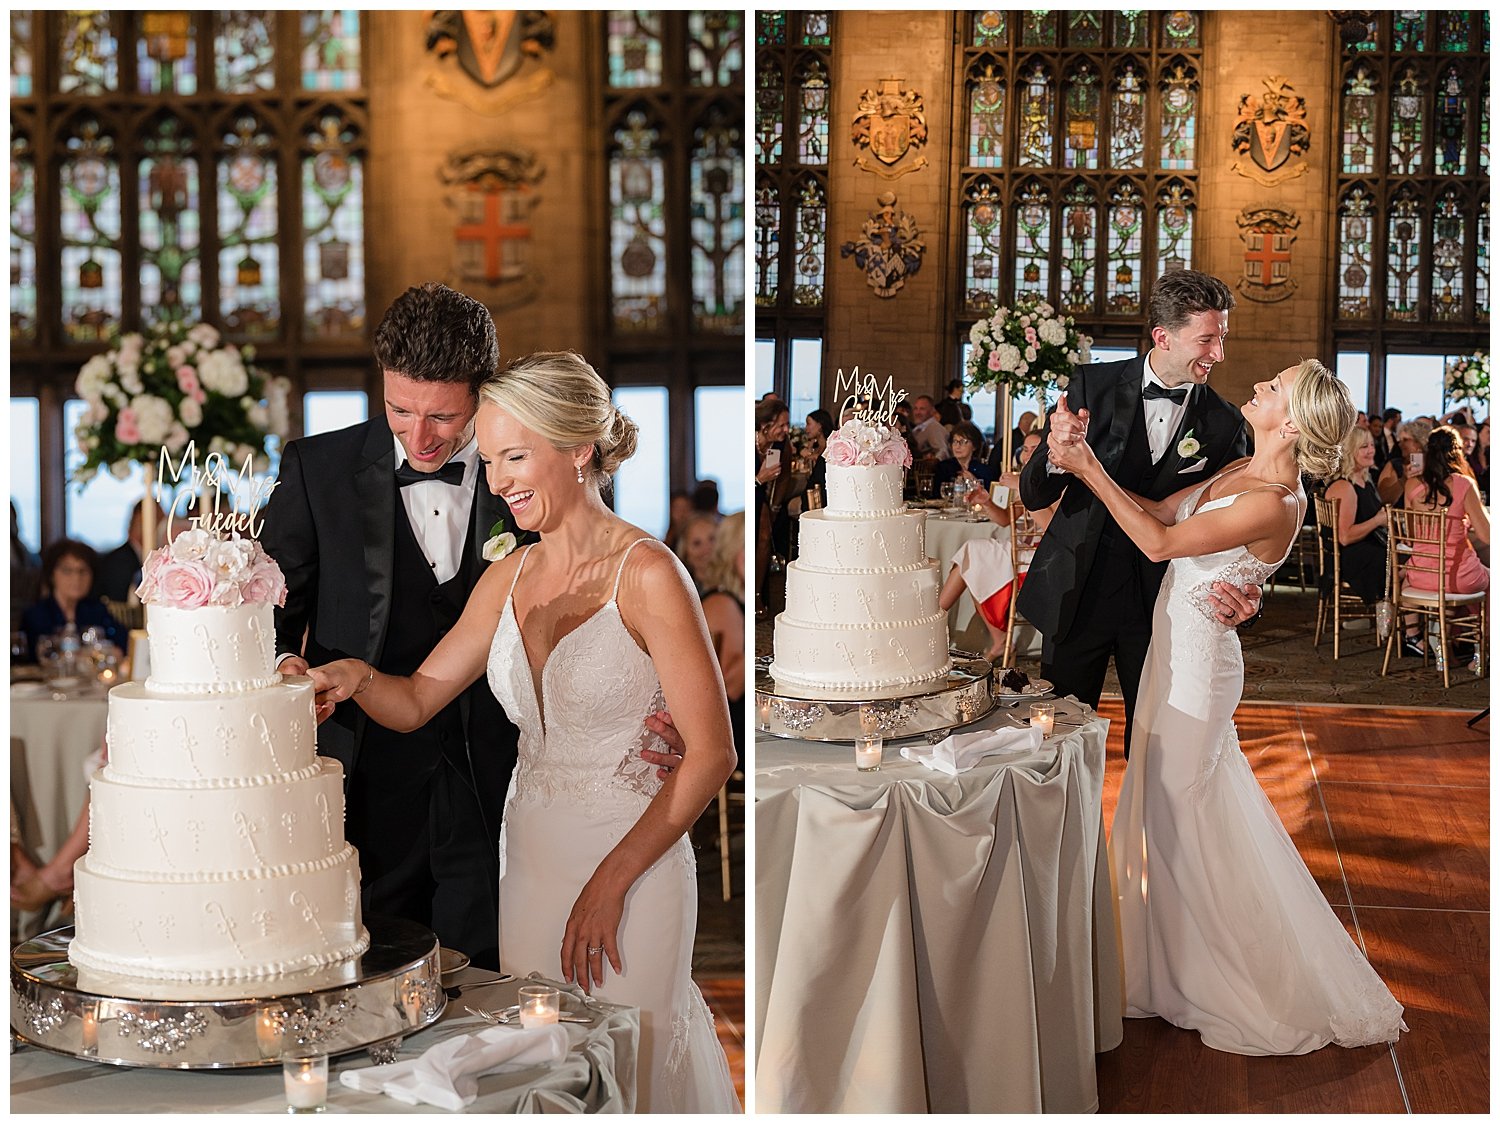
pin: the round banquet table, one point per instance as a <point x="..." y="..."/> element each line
<point x="933" y="943"/>
<point x="598" y="1075"/>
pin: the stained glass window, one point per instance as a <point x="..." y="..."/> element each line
<point x="986" y="119"/>
<point x="1039" y="28"/>
<point x="1036" y="118"/>
<point x="1448" y="258"/>
<point x="1356" y="232"/>
<point x="811" y="248"/>
<point x="1033" y="216"/>
<point x="1407" y="124"/>
<point x="1453" y="30"/>
<point x="1179" y="117"/>
<point x="90" y="206"/>
<point x="167" y="181"/>
<point x="249" y="251"/>
<point x="1174" y="227"/>
<point x="167" y="53"/>
<point x="717" y="199"/>
<point x="1085" y="29"/>
<point x="330" y="50"/>
<point x="1130" y="28"/>
<point x="770" y="29"/>
<point x="770" y="112"/>
<point x="1358" y="148"/>
<point x="1082" y="143"/>
<point x="767" y="243"/>
<point x="982" y="247"/>
<point x="716" y="47"/>
<point x="88" y="53"/>
<point x="1451" y="125"/>
<point x="1408" y="31"/>
<point x="1126" y="247"/>
<point x="635" y="47"/>
<point x="1127" y="122"/>
<point x="1080" y="248"/>
<point x="1179" y="31"/>
<point x="812" y="125"/>
<point x="20" y="53"/>
<point x="333" y="268"/>
<point x="637" y="194"/>
<point x="244" y="59"/>
<point x="816" y="29"/>
<point x="22" y="238"/>
<point x="1482" y="264"/>
<point x="989" y="28"/>
<point x="1403" y="258"/>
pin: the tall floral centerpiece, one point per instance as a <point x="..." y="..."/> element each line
<point x="1467" y="378"/>
<point x="1028" y="346"/>
<point x="170" y="386"/>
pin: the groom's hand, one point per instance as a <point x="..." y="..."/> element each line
<point x="1232" y="604"/>
<point x="666" y="760"/>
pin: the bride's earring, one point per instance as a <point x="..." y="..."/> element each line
<point x="579" y="467"/>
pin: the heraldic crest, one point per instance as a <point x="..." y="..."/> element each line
<point x="492" y="193"/>
<point x="890" y="123"/>
<point x="1271" y="132"/>
<point x="889" y="249"/>
<point x="489" y="61"/>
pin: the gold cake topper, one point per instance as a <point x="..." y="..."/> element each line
<point x="218" y="475"/>
<point x="867" y="398"/>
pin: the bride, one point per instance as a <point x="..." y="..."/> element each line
<point x="1224" y="930"/>
<point x="582" y="635"/>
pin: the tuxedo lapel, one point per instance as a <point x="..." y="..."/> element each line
<point x="1192" y="422"/>
<point x="485" y="510"/>
<point x="375" y="493"/>
<point x="1127" y="401"/>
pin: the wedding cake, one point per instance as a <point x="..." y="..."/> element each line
<point x="862" y="616"/>
<point x="216" y="833"/>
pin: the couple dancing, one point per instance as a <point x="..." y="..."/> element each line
<point x="585" y="635"/>
<point x="1223" y="929"/>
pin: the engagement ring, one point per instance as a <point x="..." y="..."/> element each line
<point x="595" y="951"/>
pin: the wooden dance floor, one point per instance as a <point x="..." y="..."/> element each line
<point x="1390" y="810"/>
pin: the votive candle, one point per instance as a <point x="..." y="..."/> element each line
<point x="1043" y="716"/>
<point x="90" y="1030"/>
<point x="306" y="1082"/>
<point x="538" y="1006"/>
<point x="868" y="751"/>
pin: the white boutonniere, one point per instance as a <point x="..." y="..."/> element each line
<point x="1188" y="446"/>
<point x="500" y="543"/>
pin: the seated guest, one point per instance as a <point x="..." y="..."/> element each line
<point x="696" y="545"/>
<point x="724" y="610"/>
<point x="929" y="437"/>
<point x="1481" y="459"/>
<point x="67" y="576"/>
<point x="1411" y="439"/>
<point x="1443" y="483"/>
<point x="679" y="507"/>
<point x="964" y="464"/>
<point x="1362" y="518"/>
<point x="120" y="570"/>
<point x="1025" y="424"/>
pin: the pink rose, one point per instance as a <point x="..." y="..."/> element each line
<point x="183" y="585"/>
<point x="1031" y="336"/>
<point x="265" y="584"/>
<point x="128" y="427"/>
<point x="994" y="361"/>
<point x="895" y="451"/>
<point x="842" y="450"/>
<point x="187" y="380"/>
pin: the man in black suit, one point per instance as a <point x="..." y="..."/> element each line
<point x="379" y="530"/>
<point x="120" y="569"/>
<point x="1157" y="427"/>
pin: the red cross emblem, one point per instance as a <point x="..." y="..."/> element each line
<point x="486" y="226"/>
<point x="1268" y="249"/>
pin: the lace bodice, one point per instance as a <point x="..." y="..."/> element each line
<point x="597" y="687"/>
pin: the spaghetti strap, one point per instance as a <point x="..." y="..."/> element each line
<point x="517" y="575"/>
<point x="615" y="596"/>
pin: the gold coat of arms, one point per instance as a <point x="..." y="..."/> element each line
<point x="1271" y="131"/>
<point x="889" y="125"/>
<point x="489" y="60"/>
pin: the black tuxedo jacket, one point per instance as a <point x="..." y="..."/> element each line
<point x="1111" y="392"/>
<point x="331" y="526"/>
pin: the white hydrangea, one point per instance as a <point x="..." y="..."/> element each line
<point x="223" y="373"/>
<point x="130" y="380"/>
<point x="204" y="335"/>
<point x="94" y="377"/>
<point x="115" y="395"/>
<point x="190" y="412"/>
<point x="1010" y="356"/>
<point x="176" y="356"/>
<point x="154" y="417"/>
<point x="1030" y="354"/>
<point x="1052" y="331"/>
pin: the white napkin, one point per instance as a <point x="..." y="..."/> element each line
<point x="447" y="1075"/>
<point x="957" y="753"/>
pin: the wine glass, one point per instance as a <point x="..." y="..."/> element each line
<point x="946" y="493"/>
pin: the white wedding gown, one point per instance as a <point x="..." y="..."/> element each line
<point x="578" y="787"/>
<point x="1223" y="929"/>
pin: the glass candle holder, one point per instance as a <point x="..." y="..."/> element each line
<point x="268" y="1034"/>
<point x="1043" y="716"/>
<point x="868" y="750"/>
<point x="306" y="1081"/>
<point x="539" y="1006"/>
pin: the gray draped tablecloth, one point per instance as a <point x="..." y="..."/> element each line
<point x="598" y="1075"/>
<point x="927" y="943"/>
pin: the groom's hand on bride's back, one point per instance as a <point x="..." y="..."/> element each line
<point x="669" y="758"/>
<point x="1234" y="605"/>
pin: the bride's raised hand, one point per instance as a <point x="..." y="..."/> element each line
<point x="1067" y="444"/>
<point x="592" y="934"/>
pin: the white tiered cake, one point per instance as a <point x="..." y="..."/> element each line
<point x="216" y="833"/>
<point x="862" y="616"/>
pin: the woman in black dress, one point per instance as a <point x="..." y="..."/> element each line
<point x="1362" y="518"/>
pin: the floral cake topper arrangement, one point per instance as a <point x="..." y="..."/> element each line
<point x="199" y="568"/>
<point x="858" y="442"/>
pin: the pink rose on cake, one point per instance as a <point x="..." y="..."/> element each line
<point x="895" y="451"/>
<point x="265" y="583"/>
<point x="858" y="442"/>
<point x="179" y="585"/>
<point x="843" y="450"/>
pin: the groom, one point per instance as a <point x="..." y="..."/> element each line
<point x="378" y="529"/>
<point x="1157" y="427"/>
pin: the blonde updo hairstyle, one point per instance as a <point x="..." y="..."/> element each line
<point x="558" y="395"/>
<point x="1358" y="438"/>
<point x="1323" y="412"/>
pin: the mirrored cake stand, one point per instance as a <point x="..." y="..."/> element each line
<point x="392" y="991"/>
<point x="933" y="712"/>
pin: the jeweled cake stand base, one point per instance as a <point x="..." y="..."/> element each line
<point x="963" y="697"/>
<point x="393" y="990"/>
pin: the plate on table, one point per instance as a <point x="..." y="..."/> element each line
<point x="1034" y="689"/>
<point x="450" y="960"/>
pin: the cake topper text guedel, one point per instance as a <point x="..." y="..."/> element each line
<point x="219" y="475"/>
<point x="871" y="401"/>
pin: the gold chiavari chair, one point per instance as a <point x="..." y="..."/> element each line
<point x="1419" y="544"/>
<point x="1336" y="601"/>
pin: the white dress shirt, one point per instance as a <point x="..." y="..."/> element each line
<point x="930" y="439"/>
<point x="439" y="513"/>
<point x="1163" y="416"/>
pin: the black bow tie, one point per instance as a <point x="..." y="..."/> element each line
<point x="450" y="473"/>
<point x="1156" y="390"/>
